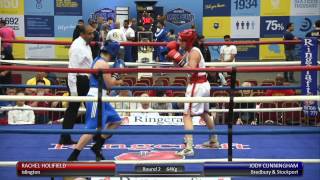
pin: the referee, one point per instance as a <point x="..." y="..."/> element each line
<point x="80" y="56"/>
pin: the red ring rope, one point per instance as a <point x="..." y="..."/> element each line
<point x="154" y="43"/>
<point x="114" y="70"/>
<point x="277" y="69"/>
<point x="162" y="70"/>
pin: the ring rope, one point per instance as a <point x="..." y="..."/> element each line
<point x="157" y="110"/>
<point x="145" y="88"/>
<point x="124" y="70"/>
<point x="162" y="70"/>
<point x="163" y="99"/>
<point x="53" y="42"/>
<point x="161" y="132"/>
<point x="130" y="64"/>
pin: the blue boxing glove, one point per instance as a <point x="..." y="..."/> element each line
<point x="119" y="63"/>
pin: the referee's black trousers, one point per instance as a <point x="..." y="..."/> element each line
<point x="71" y="113"/>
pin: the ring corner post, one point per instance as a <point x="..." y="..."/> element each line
<point x="230" y="112"/>
<point x="99" y="103"/>
<point x="309" y="79"/>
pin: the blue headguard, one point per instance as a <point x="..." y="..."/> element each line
<point x="111" y="47"/>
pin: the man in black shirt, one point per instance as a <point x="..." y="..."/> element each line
<point x="76" y="31"/>
<point x="96" y="37"/>
<point x="204" y="49"/>
<point x="134" y="26"/>
<point x="316" y="31"/>
<point x="289" y="50"/>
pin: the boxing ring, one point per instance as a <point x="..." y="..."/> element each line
<point x="132" y="145"/>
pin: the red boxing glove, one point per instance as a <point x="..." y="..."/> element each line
<point x="176" y="57"/>
<point x="172" y="45"/>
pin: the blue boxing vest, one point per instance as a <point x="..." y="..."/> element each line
<point x="94" y="83"/>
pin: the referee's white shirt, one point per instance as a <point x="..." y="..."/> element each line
<point x="80" y="56"/>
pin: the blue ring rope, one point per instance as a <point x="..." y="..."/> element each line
<point x="143" y="88"/>
<point x="160" y="132"/>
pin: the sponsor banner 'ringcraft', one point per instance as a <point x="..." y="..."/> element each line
<point x="159" y="120"/>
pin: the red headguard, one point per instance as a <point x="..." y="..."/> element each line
<point x="189" y="36"/>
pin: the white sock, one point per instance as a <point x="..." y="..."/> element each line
<point x="189" y="142"/>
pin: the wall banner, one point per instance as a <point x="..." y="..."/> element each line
<point x="179" y="17"/>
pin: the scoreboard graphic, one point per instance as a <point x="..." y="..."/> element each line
<point x="111" y="169"/>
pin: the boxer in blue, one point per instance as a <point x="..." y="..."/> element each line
<point x="110" y="118"/>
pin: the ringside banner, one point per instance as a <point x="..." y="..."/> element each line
<point x="159" y="120"/>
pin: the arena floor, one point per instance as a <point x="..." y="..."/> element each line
<point x="35" y="147"/>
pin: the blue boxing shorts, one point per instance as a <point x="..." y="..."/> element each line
<point x="109" y="115"/>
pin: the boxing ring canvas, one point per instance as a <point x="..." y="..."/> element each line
<point x="37" y="147"/>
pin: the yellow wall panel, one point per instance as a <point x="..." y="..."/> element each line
<point x="272" y="51"/>
<point x="275" y="7"/>
<point x="12" y="7"/>
<point x="19" y="49"/>
<point x="216" y="27"/>
<point x="61" y="50"/>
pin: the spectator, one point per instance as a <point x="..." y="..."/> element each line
<point x="280" y="92"/>
<point x="178" y="106"/>
<point x="162" y="105"/>
<point x="123" y="105"/>
<point x="41" y="116"/>
<point x="247" y="117"/>
<point x="227" y="54"/>
<point x="76" y="31"/>
<point x="5" y="78"/>
<point x="9" y="92"/>
<point x="117" y="35"/>
<point x="24" y="116"/>
<point x="33" y="81"/>
<point x="289" y="50"/>
<point x="110" y="24"/>
<point x="6" y="33"/>
<point x="204" y="49"/>
<point x="65" y="104"/>
<point x="39" y="76"/>
<point x="161" y="93"/>
<point x="105" y="28"/>
<point x="161" y="36"/>
<point x="154" y="24"/>
<point x="130" y="36"/>
<point x="168" y="93"/>
<point x="52" y="77"/>
<point x="171" y="36"/>
<point x="100" y="22"/>
<point x="146" y="21"/>
<point x="145" y="106"/>
<point x="96" y="37"/>
<point x="316" y="31"/>
<point x="133" y="25"/>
